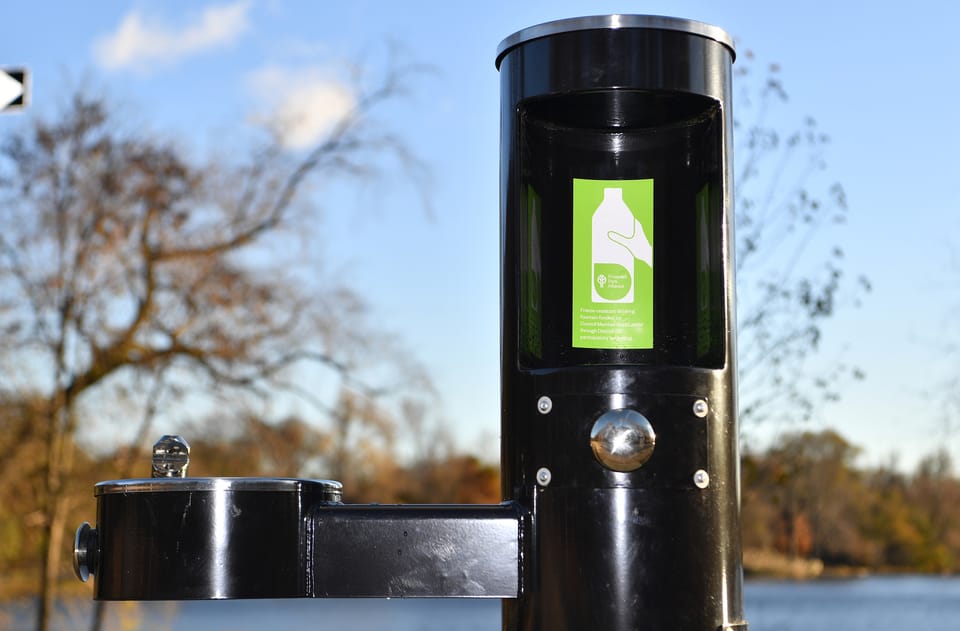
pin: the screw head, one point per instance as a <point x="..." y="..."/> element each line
<point x="171" y="457"/>
<point x="544" y="405"/>
<point x="700" y="408"/>
<point x="544" y="476"/>
<point x="701" y="479"/>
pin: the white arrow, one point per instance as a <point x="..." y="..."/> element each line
<point x="10" y="89"/>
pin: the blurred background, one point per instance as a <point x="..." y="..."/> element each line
<point x="272" y="227"/>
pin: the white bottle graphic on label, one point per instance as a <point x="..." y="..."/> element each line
<point x="616" y="237"/>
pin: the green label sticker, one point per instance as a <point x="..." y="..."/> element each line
<point x="613" y="264"/>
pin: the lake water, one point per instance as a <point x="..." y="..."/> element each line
<point x="868" y="604"/>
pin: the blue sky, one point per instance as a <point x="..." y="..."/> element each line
<point x="880" y="78"/>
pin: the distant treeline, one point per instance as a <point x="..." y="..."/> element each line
<point x="804" y="498"/>
<point x="291" y="448"/>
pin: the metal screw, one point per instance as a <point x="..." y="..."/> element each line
<point x="544" y="405"/>
<point x="544" y="476"/>
<point x="701" y="479"/>
<point x="171" y="457"/>
<point x="700" y="408"/>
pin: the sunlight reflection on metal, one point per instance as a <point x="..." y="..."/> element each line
<point x="219" y="545"/>
<point x="622" y="440"/>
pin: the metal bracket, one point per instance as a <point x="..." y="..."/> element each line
<point x="415" y="551"/>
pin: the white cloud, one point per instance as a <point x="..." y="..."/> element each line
<point x="140" y="41"/>
<point x="303" y="105"/>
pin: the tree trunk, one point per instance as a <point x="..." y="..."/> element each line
<point x="60" y="457"/>
<point x="44" y="601"/>
<point x="99" y="611"/>
<point x="52" y="561"/>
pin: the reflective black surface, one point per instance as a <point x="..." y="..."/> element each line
<point x="670" y="138"/>
<point x="207" y="538"/>
<point x="648" y="549"/>
<point x="416" y="551"/>
<point x="226" y="538"/>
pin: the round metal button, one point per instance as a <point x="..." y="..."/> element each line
<point x="622" y="440"/>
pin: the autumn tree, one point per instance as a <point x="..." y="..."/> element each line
<point x="818" y="482"/>
<point x="946" y="347"/>
<point x="131" y="273"/>
<point x="21" y="457"/>
<point x="791" y="273"/>
<point x="935" y="496"/>
<point x="804" y="496"/>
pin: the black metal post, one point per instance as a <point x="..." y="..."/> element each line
<point x="618" y="362"/>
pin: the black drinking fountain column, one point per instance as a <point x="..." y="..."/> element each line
<point x="618" y="362"/>
<point x="619" y="452"/>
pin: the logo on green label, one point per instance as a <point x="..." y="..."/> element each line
<point x="613" y="264"/>
<point x="612" y="281"/>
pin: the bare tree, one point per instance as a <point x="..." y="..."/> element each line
<point x="123" y="263"/>
<point x="791" y="279"/>
<point x="947" y="347"/>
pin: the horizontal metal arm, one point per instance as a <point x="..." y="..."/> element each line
<point x="411" y="551"/>
<point x="217" y="538"/>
